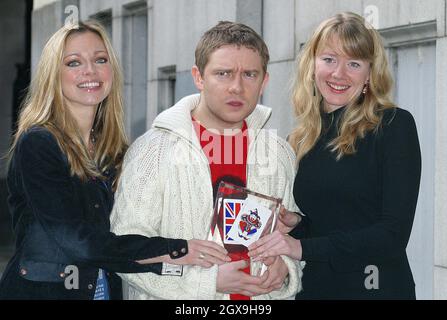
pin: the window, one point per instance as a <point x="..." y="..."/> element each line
<point x="135" y="65"/>
<point x="166" y="88"/>
<point x="412" y="58"/>
<point x="105" y="18"/>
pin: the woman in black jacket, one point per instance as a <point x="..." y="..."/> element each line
<point x="358" y="174"/>
<point x="64" y="163"/>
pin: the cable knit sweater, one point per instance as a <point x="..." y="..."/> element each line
<point x="165" y="190"/>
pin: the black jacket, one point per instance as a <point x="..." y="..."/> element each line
<point x="359" y="212"/>
<point x="62" y="221"/>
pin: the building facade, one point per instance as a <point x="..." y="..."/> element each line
<point x="155" y="41"/>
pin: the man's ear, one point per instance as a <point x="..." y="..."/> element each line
<point x="197" y="77"/>
<point x="264" y="83"/>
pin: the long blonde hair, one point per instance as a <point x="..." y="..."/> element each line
<point x="360" y="41"/>
<point x="44" y="106"/>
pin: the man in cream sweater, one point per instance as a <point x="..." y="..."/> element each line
<point x="169" y="173"/>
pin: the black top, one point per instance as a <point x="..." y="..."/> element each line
<point x="359" y="212"/>
<point x="62" y="221"/>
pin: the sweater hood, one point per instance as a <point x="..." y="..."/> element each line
<point x="178" y="118"/>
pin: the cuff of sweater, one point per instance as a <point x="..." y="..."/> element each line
<point x="315" y="249"/>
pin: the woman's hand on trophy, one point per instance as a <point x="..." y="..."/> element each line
<point x="287" y="220"/>
<point x="275" y="244"/>
<point x="203" y="253"/>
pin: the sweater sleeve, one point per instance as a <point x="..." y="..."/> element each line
<point x="141" y="204"/>
<point x="49" y="192"/>
<point x="387" y="238"/>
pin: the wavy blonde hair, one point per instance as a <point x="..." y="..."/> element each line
<point x="45" y="106"/>
<point x="359" y="41"/>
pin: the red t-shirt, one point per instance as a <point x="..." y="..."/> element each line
<point x="227" y="157"/>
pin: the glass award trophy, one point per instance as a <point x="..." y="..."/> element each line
<point x="241" y="217"/>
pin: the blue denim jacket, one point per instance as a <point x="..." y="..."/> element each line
<point x="61" y="221"/>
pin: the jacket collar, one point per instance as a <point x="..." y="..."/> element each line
<point x="178" y="118"/>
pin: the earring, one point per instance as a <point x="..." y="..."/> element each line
<point x="365" y="88"/>
<point x="361" y="97"/>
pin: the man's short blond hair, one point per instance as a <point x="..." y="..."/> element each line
<point x="229" y="33"/>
